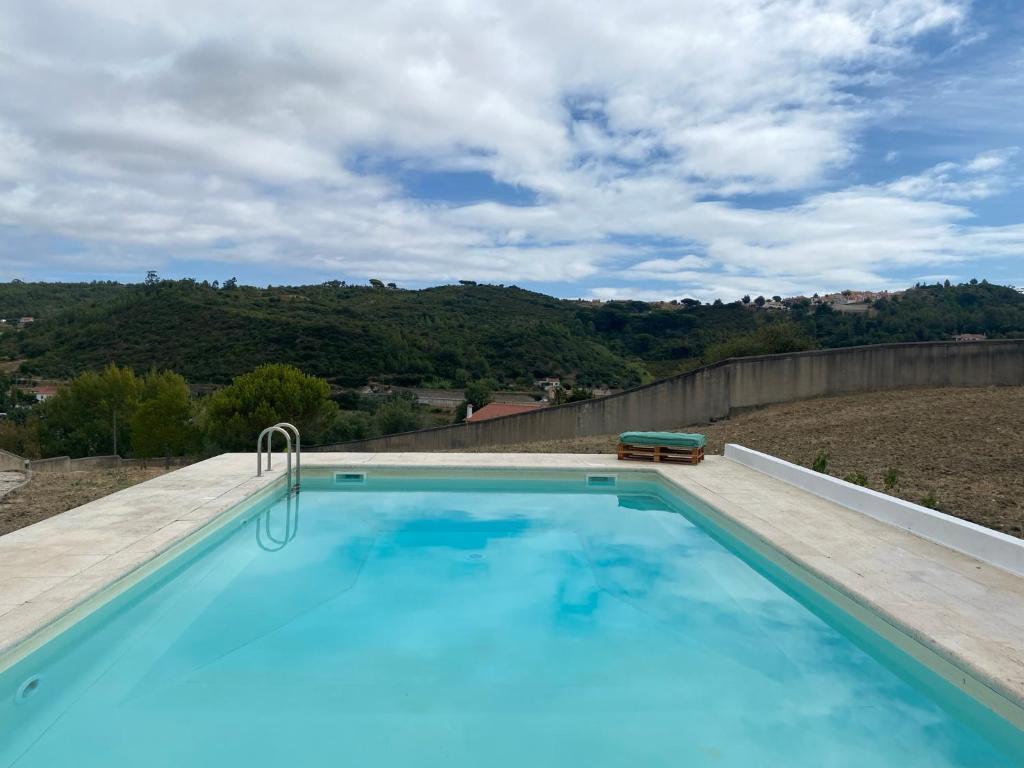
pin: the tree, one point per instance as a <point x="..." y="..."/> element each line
<point x="152" y="278"/>
<point x="745" y="299"/>
<point x="350" y="425"/>
<point x="91" y="415"/>
<point x="19" y="434"/>
<point x="162" y="425"/>
<point x="399" y="415"/>
<point x="478" y="393"/>
<point x="376" y="283"/>
<point x="256" y="400"/>
<point x="759" y="301"/>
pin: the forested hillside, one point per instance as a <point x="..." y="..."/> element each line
<point x="450" y="334"/>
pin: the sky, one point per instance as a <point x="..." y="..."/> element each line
<point x="645" y="149"/>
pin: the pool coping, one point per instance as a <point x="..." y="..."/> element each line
<point x="999" y="549"/>
<point x="967" y="612"/>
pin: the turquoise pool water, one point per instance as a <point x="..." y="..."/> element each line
<point x="485" y="624"/>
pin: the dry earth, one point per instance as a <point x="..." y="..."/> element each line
<point x="10" y="480"/>
<point x="49" y="494"/>
<point x="961" y="448"/>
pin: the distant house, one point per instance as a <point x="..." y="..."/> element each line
<point x="548" y="383"/>
<point x="26" y="320"/>
<point x="497" y="410"/>
<point x="43" y="392"/>
<point x="970" y="337"/>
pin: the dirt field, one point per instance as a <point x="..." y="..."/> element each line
<point x="46" y="494"/>
<point x="961" y="449"/>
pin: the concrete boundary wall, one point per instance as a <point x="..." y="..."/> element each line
<point x="56" y="464"/>
<point x="96" y="462"/>
<point x="715" y="391"/>
<point x="11" y="462"/>
<point x="993" y="547"/>
<point x="67" y="464"/>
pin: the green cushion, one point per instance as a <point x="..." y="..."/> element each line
<point x="673" y="439"/>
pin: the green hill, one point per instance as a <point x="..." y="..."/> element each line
<point x="449" y="334"/>
<point x="346" y="334"/>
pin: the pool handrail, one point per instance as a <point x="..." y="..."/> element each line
<point x="268" y="433"/>
<point x="298" y="452"/>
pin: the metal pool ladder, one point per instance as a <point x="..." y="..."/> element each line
<point x="286" y="429"/>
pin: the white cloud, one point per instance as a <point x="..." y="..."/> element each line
<point x="990" y="161"/>
<point x="246" y="132"/>
<point x="980" y="178"/>
<point x="669" y="266"/>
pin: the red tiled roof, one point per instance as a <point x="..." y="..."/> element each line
<point x="494" y="410"/>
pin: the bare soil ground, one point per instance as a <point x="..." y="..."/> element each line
<point x="9" y="481"/>
<point x="49" y="494"/>
<point x="961" y="449"/>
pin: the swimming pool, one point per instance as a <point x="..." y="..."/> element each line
<point x="528" y="619"/>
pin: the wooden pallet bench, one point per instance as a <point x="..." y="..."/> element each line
<point x="660" y="453"/>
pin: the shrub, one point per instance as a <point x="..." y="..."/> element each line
<point x="821" y="462"/>
<point x="580" y="393"/>
<point x="891" y="479"/>
<point x="350" y="425"/>
<point x="399" y="415"/>
<point x="771" y="338"/>
<point x="857" y="478"/>
<point x="929" y="501"/>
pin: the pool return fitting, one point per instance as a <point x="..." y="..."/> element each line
<point x="286" y="429"/>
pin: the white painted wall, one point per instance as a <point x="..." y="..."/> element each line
<point x="993" y="547"/>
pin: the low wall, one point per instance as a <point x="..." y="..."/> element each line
<point x="95" y="462"/>
<point x="56" y="464"/>
<point x="10" y="462"/>
<point x="155" y="463"/>
<point x="67" y="464"/>
<point x="714" y="392"/>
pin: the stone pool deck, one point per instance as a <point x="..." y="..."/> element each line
<point x="964" y="610"/>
